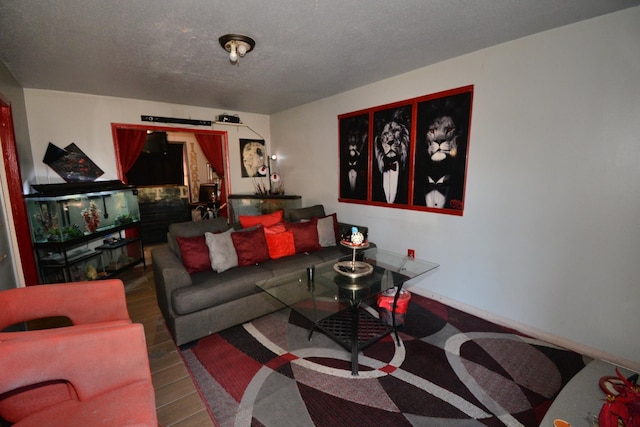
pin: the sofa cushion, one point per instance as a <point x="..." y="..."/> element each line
<point x="210" y="289"/>
<point x="251" y="246"/>
<point x="310" y="212"/>
<point x="266" y="220"/>
<point x="333" y="253"/>
<point x="194" y="228"/>
<point x="305" y="235"/>
<point x="294" y="264"/>
<point x="221" y="252"/>
<point x="195" y="253"/>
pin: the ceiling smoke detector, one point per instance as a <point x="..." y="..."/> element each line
<point x="237" y="45"/>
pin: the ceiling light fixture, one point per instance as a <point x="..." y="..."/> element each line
<point x="237" y="45"/>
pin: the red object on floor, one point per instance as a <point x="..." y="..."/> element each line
<point x="385" y="306"/>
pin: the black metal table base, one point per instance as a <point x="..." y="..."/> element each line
<point x="354" y="329"/>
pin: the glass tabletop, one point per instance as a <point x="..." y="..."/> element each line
<point x="331" y="292"/>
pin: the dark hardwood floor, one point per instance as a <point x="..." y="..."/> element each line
<point x="178" y="403"/>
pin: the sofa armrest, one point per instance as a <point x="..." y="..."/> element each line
<point x="170" y="274"/>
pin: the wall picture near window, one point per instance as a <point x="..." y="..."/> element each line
<point x="442" y="137"/>
<point x="409" y="154"/>
<point x="253" y="156"/>
<point x="391" y="155"/>
<point x="354" y="157"/>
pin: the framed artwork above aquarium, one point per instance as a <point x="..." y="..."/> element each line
<point x="411" y="154"/>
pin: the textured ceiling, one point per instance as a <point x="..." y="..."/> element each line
<point x="168" y="50"/>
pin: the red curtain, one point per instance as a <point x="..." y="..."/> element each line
<point x="211" y="146"/>
<point x="130" y="143"/>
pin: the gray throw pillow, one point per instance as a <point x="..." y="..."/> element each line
<point x="326" y="231"/>
<point x="222" y="253"/>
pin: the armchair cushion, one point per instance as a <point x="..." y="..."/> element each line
<point x="88" y="305"/>
<point x="107" y="369"/>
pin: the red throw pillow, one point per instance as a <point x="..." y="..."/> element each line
<point x="195" y="253"/>
<point x="266" y="220"/>
<point x="251" y="246"/>
<point x="305" y="235"/>
<point x="280" y="244"/>
<point x="275" y="229"/>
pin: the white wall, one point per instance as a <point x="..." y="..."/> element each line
<point x="64" y="117"/>
<point x="13" y="94"/>
<point x="550" y="236"/>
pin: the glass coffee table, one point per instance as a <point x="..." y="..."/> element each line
<point x="336" y="304"/>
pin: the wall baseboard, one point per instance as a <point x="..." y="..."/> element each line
<point x="531" y="331"/>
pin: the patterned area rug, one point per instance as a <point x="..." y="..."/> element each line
<point x="452" y="369"/>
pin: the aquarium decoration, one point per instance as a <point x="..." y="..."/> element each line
<point x="91" y="217"/>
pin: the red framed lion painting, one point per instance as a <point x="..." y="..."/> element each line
<point x="411" y="154"/>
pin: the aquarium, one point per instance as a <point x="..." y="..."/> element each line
<point x="55" y="217"/>
<point x="84" y="231"/>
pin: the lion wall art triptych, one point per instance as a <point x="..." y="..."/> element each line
<point x="410" y="154"/>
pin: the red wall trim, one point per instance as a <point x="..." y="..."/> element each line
<point x="16" y="199"/>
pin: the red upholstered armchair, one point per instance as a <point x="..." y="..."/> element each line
<point x="89" y="306"/>
<point x="106" y="370"/>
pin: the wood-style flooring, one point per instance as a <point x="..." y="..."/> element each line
<point x="178" y="403"/>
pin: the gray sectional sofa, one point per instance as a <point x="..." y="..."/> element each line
<point x="200" y="304"/>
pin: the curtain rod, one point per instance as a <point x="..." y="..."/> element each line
<point x="174" y="120"/>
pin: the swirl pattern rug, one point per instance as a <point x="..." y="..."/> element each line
<point x="451" y="369"/>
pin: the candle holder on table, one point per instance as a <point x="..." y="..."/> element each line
<point x="354" y="268"/>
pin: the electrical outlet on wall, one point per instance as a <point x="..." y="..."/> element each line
<point x="411" y="253"/>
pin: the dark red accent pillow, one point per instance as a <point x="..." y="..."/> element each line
<point x="266" y="220"/>
<point x="251" y="246"/>
<point x="305" y="235"/>
<point x="195" y="253"/>
<point x="280" y="244"/>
